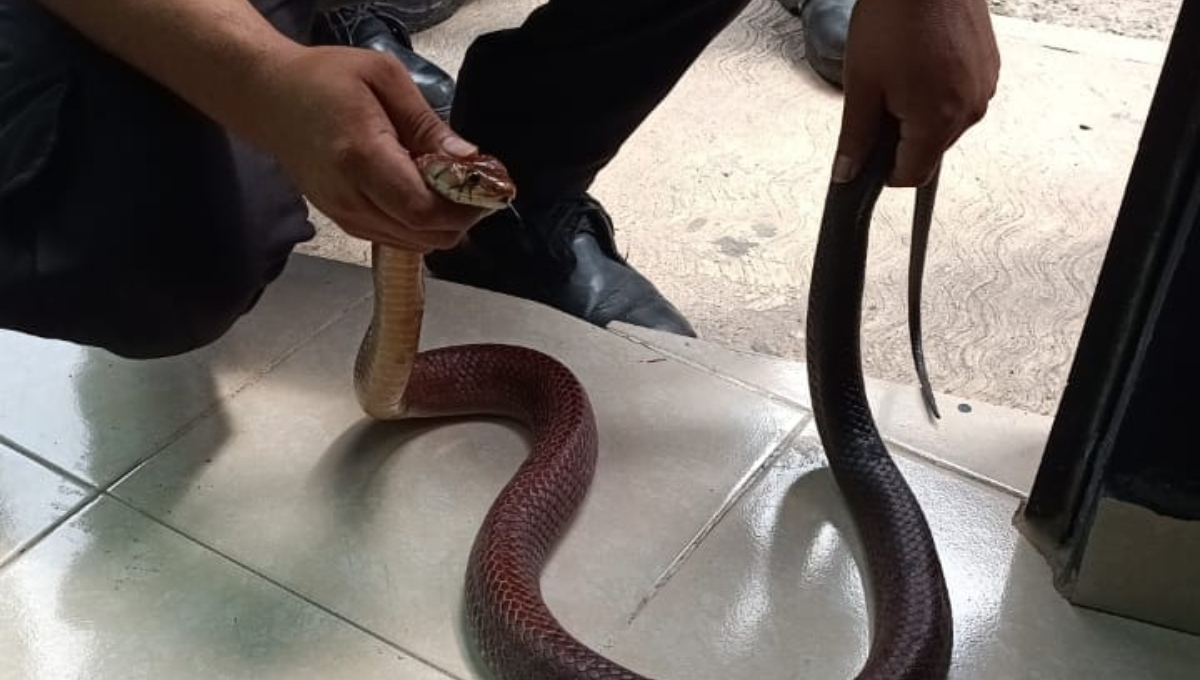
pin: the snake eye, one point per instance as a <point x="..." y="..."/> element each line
<point x="474" y="177"/>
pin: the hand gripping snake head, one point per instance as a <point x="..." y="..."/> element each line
<point x="478" y="180"/>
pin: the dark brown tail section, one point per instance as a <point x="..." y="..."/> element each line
<point x="913" y="632"/>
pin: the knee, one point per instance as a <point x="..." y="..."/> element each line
<point x="184" y="314"/>
<point x="150" y="314"/>
<point x="173" y="333"/>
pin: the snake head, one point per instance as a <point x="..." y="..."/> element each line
<point x="479" y="180"/>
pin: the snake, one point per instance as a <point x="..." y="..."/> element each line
<point x="512" y="629"/>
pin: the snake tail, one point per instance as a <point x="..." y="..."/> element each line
<point x="922" y="222"/>
<point x="912" y="632"/>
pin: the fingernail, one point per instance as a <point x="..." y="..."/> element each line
<point x="844" y="169"/>
<point x="457" y="146"/>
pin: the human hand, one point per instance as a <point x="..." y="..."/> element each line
<point x="932" y="64"/>
<point x="346" y="124"/>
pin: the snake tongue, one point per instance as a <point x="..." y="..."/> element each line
<point x="520" y="220"/>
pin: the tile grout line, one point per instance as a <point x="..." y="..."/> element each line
<point x="300" y="344"/>
<point x="45" y="462"/>
<point x="967" y="473"/>
<point x="24" y="547"/>
<point x="739" y="491"/>
<point x="724" y="377"/>
<point x="770" y="395"/>
<point x="284" y="587"/>
<point x="254" y="379"/>
<point x="91" y="493"/>
<point x="94" y="491"/>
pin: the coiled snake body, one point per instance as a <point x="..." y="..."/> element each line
<point x="516" y="635"/>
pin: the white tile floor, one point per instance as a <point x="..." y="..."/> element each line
<point x="232" y="514"/>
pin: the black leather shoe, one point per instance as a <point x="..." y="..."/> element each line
<point x="826" y="25"/>
<point x="565" y="258"/>
<point x="419" y="15"/>
<point x="379" y="26"/>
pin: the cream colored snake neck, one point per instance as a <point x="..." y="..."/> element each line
<point x="389" y="347"/>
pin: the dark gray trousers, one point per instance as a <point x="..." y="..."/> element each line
<point x="132" y="222"/>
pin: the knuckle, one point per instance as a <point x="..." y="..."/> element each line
<point x="950" y="110"/>
<point x="377" y="66"/>
<point x="954" y="103"/>
<point x="348" y="155"/>
<point x="424" y="217"/>
<point x="425" y="124"/>
<point x="978" y="111"/>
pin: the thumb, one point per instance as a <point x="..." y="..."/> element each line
<point x="861" y="113"/>
<point x="418" y="128"/>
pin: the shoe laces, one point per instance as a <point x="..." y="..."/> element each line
<point x="353" y="15"/>
<point x="567" y="219"/>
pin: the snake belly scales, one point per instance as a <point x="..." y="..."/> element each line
<point x="511" y="627"/>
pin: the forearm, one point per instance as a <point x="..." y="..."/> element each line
<point x="209" y="52"/>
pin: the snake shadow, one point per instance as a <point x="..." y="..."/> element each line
<point x="352" y="464"/>
<point x="811" y="512"/>
<point x="352" y="467"/>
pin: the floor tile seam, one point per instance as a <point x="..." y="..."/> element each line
<point x="758" y="390"/>
<point x="254" y="379"/>
<point x="1083" y="41"/>
<point x="34" y="457"/>
<point x="953" y="468"/>
<point x="291" y="592"/>
<point x="737" y="492"/>
<point x="268" y="368"/>
<point x="911" y="450"/>
<point x="93" y="492"/>
<point x="25" y="546"/>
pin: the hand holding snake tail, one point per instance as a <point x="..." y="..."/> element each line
<point x="913" y="625"/>
<point x="515" y="634"/>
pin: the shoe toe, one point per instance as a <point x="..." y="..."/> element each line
<point x="826" y="26"/>
<point x="565" y="267"/>
<point x="374" y="26"/>
<point x="657" y="314"/>
<point x="603" y="290"/>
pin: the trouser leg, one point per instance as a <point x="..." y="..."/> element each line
<point x="128" y="220"/>
<point x="556" y="97"/>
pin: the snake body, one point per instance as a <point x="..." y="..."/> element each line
<point x="513" y="630"/>
<point x="912" y="623"/>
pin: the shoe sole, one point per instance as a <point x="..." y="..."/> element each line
<point x="830" y="70"/>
